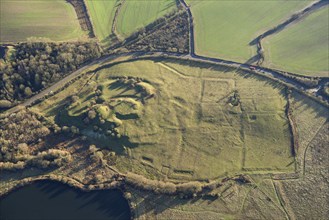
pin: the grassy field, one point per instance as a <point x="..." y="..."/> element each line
<point x="302" y="48"/>
<point x="136" y="14"/>
<point x="191" y="128"/>
<point x="55" y="20"/>
<point x="102" y="15"/>
<point x="224" y="28"/>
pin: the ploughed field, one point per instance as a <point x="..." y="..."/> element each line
<point x="55" y="20"/>
<point x="169" y="119"/>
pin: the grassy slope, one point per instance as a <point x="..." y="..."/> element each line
<point x="303" y="47"/>
<point x="225" y="28"/>
<point x="55" y="20"/>
<point x="102" y="15"/>
<point x="135" y="14"/>
<point x="212" y="142"/>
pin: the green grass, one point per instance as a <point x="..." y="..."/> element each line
<point x="102" y="15"/>
<point x="55" y="20"/>
<point x="303" y="47"/>
<point x="225" y="28"/>
<point x="189" y="130"/>
<point x="136" y="14"/>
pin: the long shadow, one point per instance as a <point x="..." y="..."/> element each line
<point x="127" y="116"/>
<point x="159" y="203"/>
<point x="253" y="59"/>
<point x="2" y="52"/>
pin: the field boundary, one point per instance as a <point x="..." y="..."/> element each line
<point x="296" y="17"/>
<point x="83" y="16"/>
<point x="191" y="27"/>
<point x="272" y="75"/>
<point x="278" y="193"/>
<point x="292" y="125"/>
<point x="114" y="22"/>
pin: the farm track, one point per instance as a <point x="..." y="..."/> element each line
<point x="297" y="17"/>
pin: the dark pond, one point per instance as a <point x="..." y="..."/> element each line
<point x="52" y="200"/>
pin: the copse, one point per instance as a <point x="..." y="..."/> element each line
<point x="51" y="157"/>
<point x="35" y="65"/>
<point x="19" y="130"/>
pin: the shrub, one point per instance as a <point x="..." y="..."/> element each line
<point x="4" y="104"/>
<point x="189" y="188"/>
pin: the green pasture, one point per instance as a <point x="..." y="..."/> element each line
<point x="102" y="14"/>
<point x="55" y="20"/>
<point x="189" y="129"/>
<point x="302" y="48"/>
<point x="224" y="29"/>
<point x="136" y="14"/>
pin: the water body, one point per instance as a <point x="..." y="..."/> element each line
<point x="55" y="201"/>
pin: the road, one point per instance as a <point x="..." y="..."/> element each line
<point x="57" y="85"/>
<point x="270" y="73"/>
<point x="140" y="55"/>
